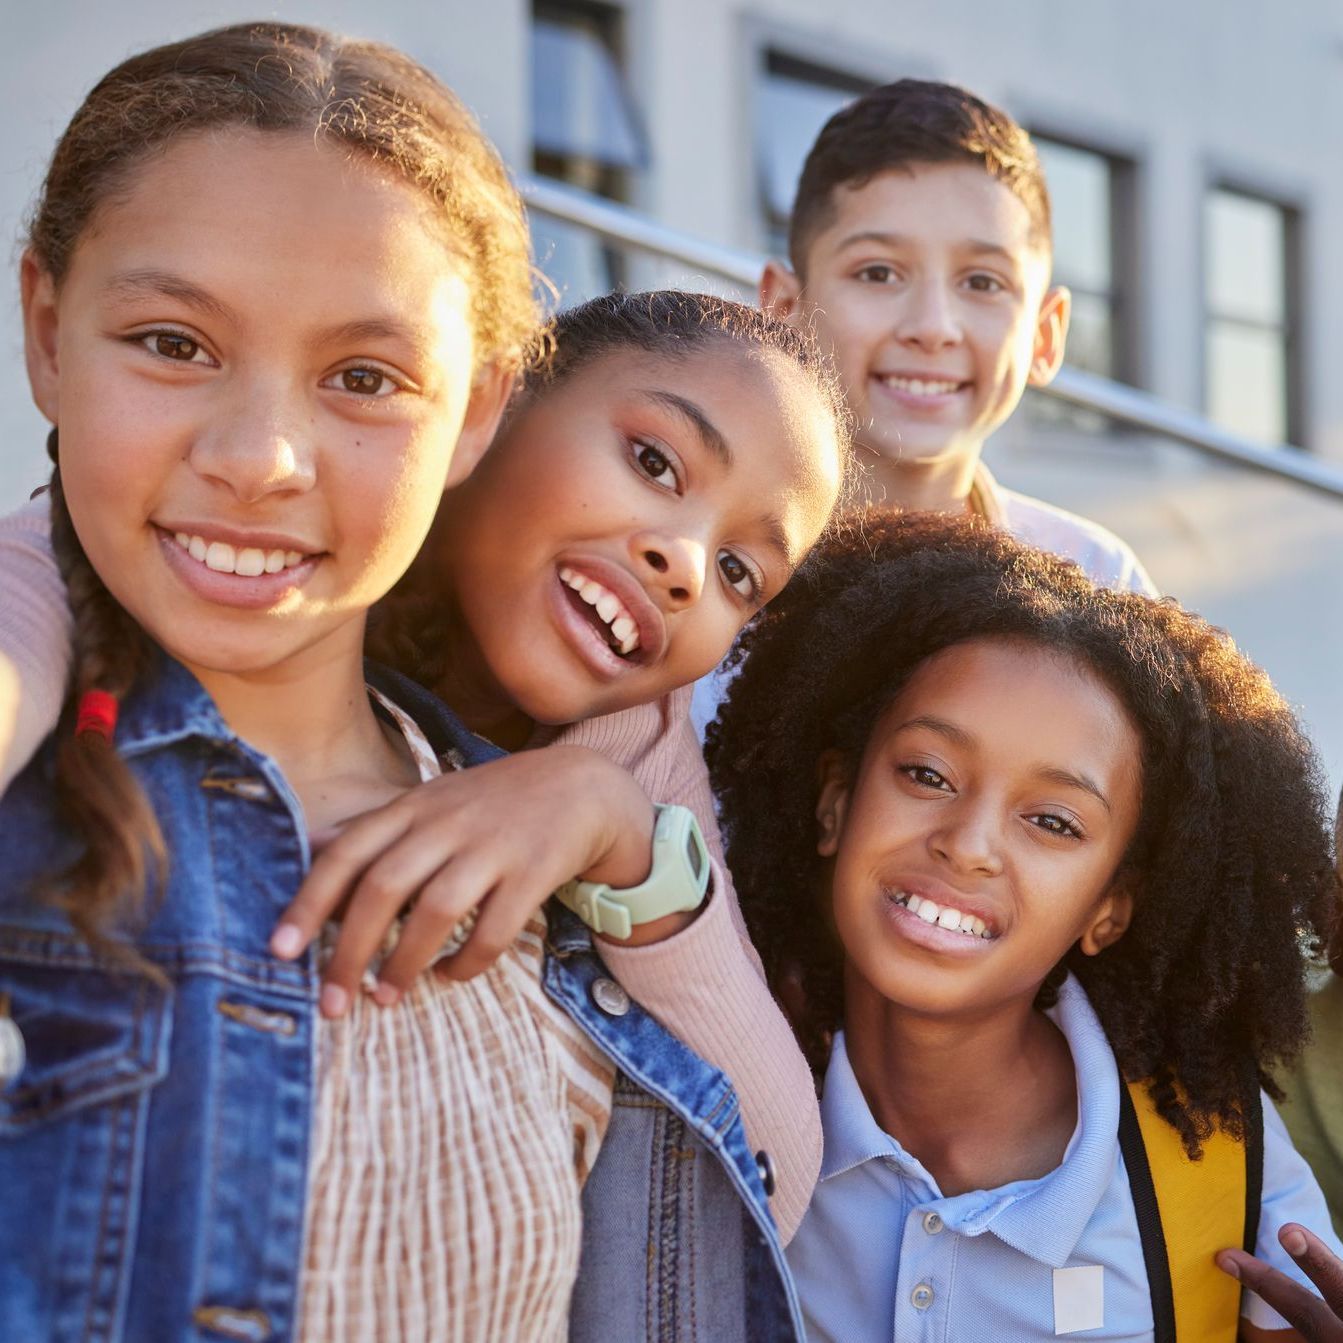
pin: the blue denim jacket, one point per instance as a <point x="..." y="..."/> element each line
<point x="154" y="1149"/>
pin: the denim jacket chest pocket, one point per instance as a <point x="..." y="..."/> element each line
<point x="90" y="1035"/>
<point x="72" y="1123"/>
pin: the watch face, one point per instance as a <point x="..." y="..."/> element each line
<point x="694" y="854"/>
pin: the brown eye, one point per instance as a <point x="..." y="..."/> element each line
<point x="176" y="347"/>
<point x="654" y="464"/>
<point x="363" y="381"/>
<point x="736" y="574"/>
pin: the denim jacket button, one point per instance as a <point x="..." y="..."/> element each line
<point x="765" y="1167"/>
<point x="13" y="1053"/>
<point x="610" y="997"/>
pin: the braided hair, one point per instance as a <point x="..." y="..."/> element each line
<point x="375" y="103"/>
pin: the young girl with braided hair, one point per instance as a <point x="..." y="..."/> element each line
<point x="1041" y="864"/>
<point x="275" y="293"/>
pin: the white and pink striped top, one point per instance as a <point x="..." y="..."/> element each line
<point x="452" y="1136"/>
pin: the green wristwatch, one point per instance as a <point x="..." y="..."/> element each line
<point x="677" y="882"/>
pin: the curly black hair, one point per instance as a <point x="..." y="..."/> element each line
<point x="1232" y="856"/>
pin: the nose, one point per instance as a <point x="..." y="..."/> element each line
<point x="257" y="445"/>
<point x="928" y="318"/>
<point x="968" y="840"/>
<point x="672" y="568"/>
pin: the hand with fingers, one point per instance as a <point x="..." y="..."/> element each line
<point x="491" y="842"/>
<point x="1318" y="1319"/>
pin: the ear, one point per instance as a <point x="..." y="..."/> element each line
<point x="1111" y="919"/>
<point x="40" y="328"/>
<point x="1051" y="335"/>
<point x="490" y="390"/>
<point x="831" y="804"/>
<point x="780" y="291"/>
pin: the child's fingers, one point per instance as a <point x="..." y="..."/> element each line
<point x="447" y="898"/>
<point x="1317" y="1261"/>
<point x="333" y="873"/>
<point x="379" y="897"/>
<point x="1299" y="1306"/>
<point x="499" y="921"/>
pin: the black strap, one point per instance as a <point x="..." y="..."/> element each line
<point x="1154" y="1255"/>
<point x="1254" y="1163"/>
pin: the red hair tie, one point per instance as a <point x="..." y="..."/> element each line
<point x="97" y="713"/>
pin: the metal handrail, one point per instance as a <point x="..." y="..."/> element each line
<point x="1115" y="400"/>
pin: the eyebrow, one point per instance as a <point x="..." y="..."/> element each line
<point x="939" y="725"/>
<point x="140" y="283"/>
<point x="371" y="328"/>
<point x="979" y="246"/>
<point x="775" y="534"/>
<point x="704" y="427"/>
<point x="1050" y="773"/>
<point x="1070" y="780"/>
<point x="133" y="284"/>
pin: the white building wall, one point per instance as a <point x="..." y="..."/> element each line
<point x="1192" y="90"/>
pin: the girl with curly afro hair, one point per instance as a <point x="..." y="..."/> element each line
<point x="1005" y="842"/>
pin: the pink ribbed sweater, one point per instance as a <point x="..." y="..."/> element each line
<point x="704" y="984"/>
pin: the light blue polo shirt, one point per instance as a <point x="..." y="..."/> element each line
<point x="882" y="1256"/>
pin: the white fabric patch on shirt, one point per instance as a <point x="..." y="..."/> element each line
<point x="1079" y="1299"/>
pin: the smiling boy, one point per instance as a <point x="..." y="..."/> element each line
<point x="920" y="250"/>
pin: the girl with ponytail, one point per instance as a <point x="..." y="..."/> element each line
<point x="275" y="296"/>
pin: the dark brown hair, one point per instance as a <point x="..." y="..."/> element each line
<point x="411" y="628"/>
<point x="899" y="126"/>
<point x="366" y="98"/>
<point x="1231" y="861"/>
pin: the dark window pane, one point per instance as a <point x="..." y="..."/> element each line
<point x="1091" y="334"/>
<point x="1090" y="347"/>
<point x="1246" y="257"/>
<point x="1247" y="380"/>
<point x="789" y="113"/>
<point x="579" y="105"/>
<point x="1080" y="196"/>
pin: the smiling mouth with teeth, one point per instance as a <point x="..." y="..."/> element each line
<point x="606" y="610"/>
<point x="921" y="386"/>
<point x="944" y="916"/>
<point x="245" y="561"/>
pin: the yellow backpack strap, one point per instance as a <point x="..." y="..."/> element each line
<point x="1187" y="1211"/>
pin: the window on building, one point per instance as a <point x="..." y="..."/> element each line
<point x="794" y="99"/>
<point x="1091" y="200"/>
<point x="1250" y="328"/>
<point x="585" y="132"/>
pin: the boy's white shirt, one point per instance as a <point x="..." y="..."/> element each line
<point x="1102" y="556"/>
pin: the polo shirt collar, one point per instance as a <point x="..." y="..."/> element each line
<point x="852" y="1135"/>
<point x="1045" y="1218"/>
<point x="1041" y="1218"/>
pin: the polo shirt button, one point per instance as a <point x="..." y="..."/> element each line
<point x="610" y="997"/>
<point x="932" y="1223"/>
<point x="921" y="1297"/>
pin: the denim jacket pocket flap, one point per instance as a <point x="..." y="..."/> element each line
<point x="90" y="1035"/>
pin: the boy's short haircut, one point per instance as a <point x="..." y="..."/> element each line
<point x="897" y="126"/>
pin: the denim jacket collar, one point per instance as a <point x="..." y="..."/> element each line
<point x="170" y="705"/>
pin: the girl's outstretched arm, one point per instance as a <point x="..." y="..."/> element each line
<point x="502" y="836"/>
<point x="34" y="636"/>
<point x="705" y="982"/>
